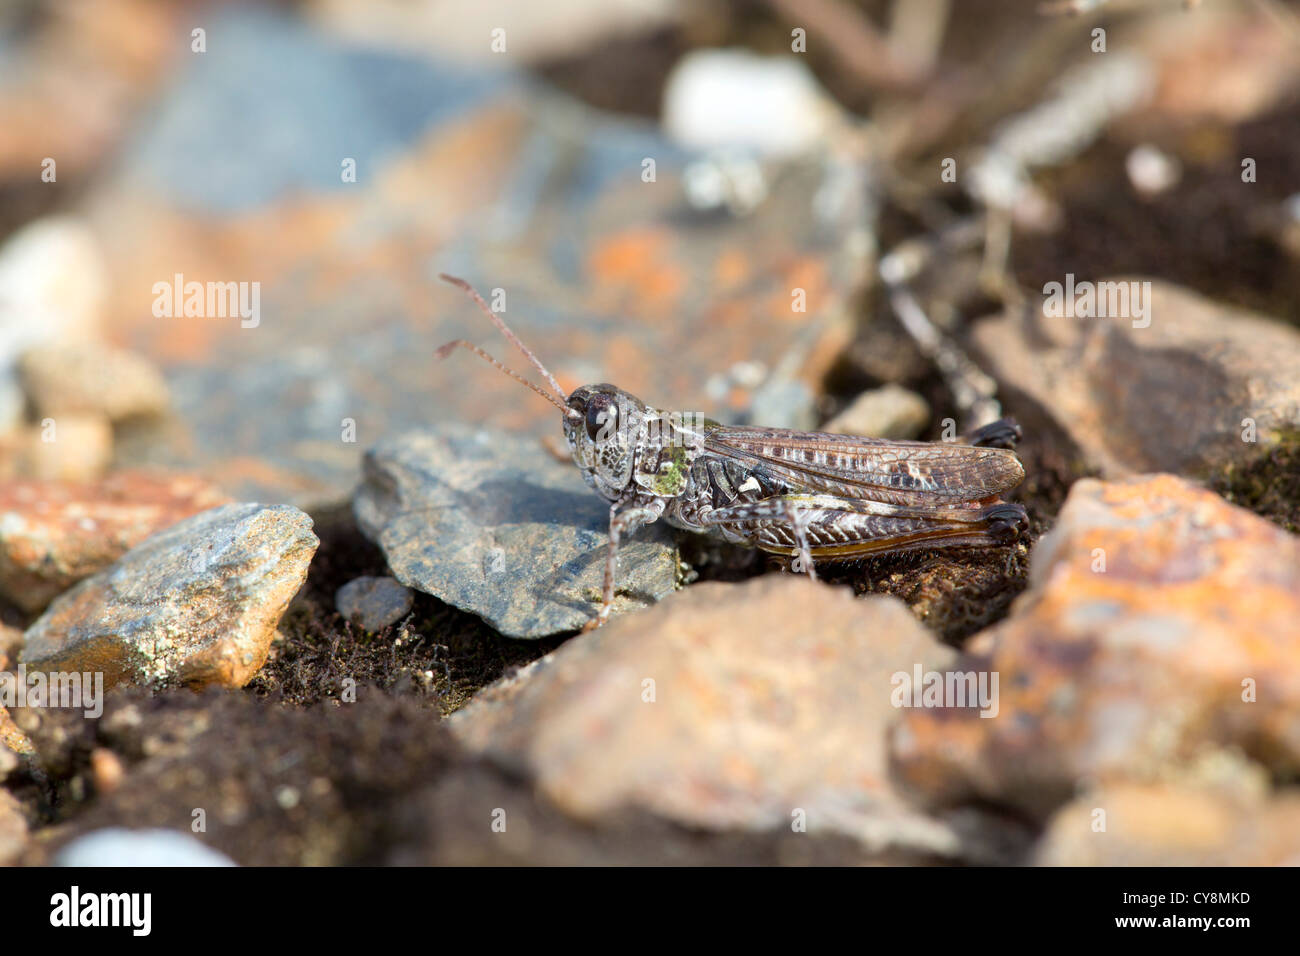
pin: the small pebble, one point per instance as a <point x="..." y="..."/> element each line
<point x="53" y="286"/>
<point x="733" y="99"/>
<point x="73" y="447"/>
<point x="106" y="769"/>
<point x="1152" y="171"/>
<point x="373" y="603"/>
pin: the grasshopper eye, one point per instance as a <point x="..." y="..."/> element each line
<point x="601" y="416"/>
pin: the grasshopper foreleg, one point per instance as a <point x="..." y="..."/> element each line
<point x="622" y="520"/>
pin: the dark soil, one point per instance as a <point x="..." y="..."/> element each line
<point x="375" y="782"/>
<point x="1269" y="486"/>
<point x="1212" y="232"/>
<point x="437" y="655"/>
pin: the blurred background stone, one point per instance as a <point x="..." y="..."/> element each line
<point x="90" y="379"/>
<point x="1203" y="389"/>
<point x="735" y="100"/>
<point x="122" y="847"/>
<point x="484" y="174"/>
<point x="53" y="290"/>
<point x="887" y="412"/>
<point x="76" y="73"/>
<point x="465" y="31"/>
<point x="1161" y="825"/>
<point x="77" y="447"/>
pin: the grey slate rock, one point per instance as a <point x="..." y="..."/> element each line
<point x="478" y="171"/>
<point x="494" y="524"/>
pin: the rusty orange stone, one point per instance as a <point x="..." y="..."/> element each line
<point x="605" y="274"/>
<point x="1162" y="625"/>
<point x="53" y="534"/>
<point x="767" y="695"/>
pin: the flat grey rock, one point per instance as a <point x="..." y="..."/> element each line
<point x="299" y="96"/>
<point x="492" y="523"/>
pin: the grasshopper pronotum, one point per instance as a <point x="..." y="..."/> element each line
<point x="807" y="495"/>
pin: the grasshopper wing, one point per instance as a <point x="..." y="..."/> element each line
<point x="900" y="472"/>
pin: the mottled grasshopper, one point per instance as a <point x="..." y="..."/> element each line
<point x="810" y="496"/>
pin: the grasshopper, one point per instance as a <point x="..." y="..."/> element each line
<point x="808" y="496"/>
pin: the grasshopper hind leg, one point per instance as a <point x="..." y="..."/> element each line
<point x="1003" y="433"/>
<point x="837" y="530"/>
<point x="1007" y="521"/>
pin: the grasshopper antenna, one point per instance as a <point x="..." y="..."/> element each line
<point x="505" y="330"/>
<point x="445" y="350"/>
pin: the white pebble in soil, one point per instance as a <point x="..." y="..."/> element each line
<point x="117" y="846"/>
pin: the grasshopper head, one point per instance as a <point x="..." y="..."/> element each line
<point x="607" y="428"/>
<point x="604" y="435"/>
